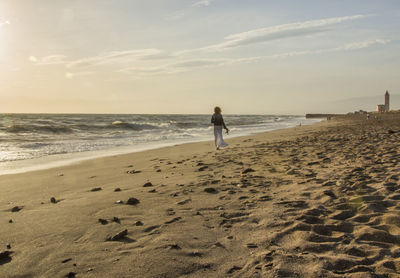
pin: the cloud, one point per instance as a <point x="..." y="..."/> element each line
<point x="176" y="15"/>
<point x="33" y="59"/>
<point x="176" y="67"/>
<point x="112" y="57"/>
<point x="4" y="22"/>
<point x="179" y="14"/>
<point x="120" y="57"/>
<point x="71" y="75"/>
<point x="191" y="64"/>
<point x="364" y="44"/>
<point x="50" y="60"/>
<point x="202" y="3"/>
<point x="276" y="32"/>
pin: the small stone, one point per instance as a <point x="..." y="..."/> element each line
<point x="133" y="172"/>
<point x="174" y="246"/>
<point x="9" y="246"/>
<point x="252" y="245"/>
<point x="66" y="260"/>
<point x="133" y="201"/>
<point x="10" y="221"/>
<point x="16" y="209"/>
<point x="103" y="221"/>
<point x="119" y="202"/>
<point x="210" y="190"/>
<point x="116" y="219"/>
<point x="117" y="189"/>
<point x="158" y="170"/>
<point x="147" y="184"/>
<point x="248" y="170"/>
<point x="53" y="200"/>
<point x="201" y="169"/>
<point x="118" y="236"/>
<point x="138" y="223"/>
<point x="71" y="275"/>
<point x="218" y="244"/>
<point x="60" y="175"/>
<point x="96" y="189"/>
<point x="152" y="191"/>
<point x="90" y="269"/>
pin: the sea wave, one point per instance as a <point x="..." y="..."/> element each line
<point x="133" y="126"/>
<point x="187" y="124"/>
<point x="25" y="136"/>
<point x="38" y="129"/>
<point x="34" y="145"/>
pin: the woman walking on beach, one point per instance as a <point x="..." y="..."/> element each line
<point x="219" y="123"/>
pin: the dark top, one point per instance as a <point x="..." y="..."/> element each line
<point x="217" y="119"/>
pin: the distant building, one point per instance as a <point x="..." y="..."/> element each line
<point x="381" y="108"/>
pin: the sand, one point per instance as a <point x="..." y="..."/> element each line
<point x="310" y="201"/>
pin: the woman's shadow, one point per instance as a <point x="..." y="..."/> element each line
<point x="5" y="257"/>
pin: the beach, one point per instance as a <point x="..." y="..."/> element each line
<point x="308" y="201"/>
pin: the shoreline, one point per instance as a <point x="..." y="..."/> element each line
<point x="309" y="201"/>
<point x="60" y="160"/>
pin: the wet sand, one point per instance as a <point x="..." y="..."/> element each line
<point x="311" y="201"/>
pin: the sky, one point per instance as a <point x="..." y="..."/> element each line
<point x="187" y="56"/>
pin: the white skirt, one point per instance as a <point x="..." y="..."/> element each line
<point x="219" y="141"/>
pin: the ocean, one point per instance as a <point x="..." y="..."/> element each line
<point x="61" y="138"/>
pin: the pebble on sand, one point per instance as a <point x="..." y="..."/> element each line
<point x="16" y="209"/>
<point x="201" y="169"/>
<point x="133" y="201"/>
<point x="133" y="172"/>
<point x="118" y="236"/>
<point x="117" y="189"/>
<point x="248" y="170"/>
<point x="147" y="184"/>
<point x="103" y="221"/>
<point x="96" y="189"/>
<point x="116" y="220"/>
<point x="66" y="260"/>
<point x="211" y="190"/>
<point x="53" y="200"/>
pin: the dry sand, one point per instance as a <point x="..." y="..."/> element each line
<point x="311" y="201"/>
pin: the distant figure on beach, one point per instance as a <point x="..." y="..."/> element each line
<point x="219" y="123"/>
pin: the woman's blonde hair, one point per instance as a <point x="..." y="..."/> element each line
<point x="217" y="110"/>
